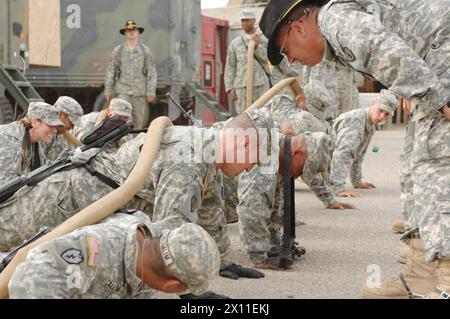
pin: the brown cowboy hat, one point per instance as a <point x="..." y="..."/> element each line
<point x="131" y="25"/>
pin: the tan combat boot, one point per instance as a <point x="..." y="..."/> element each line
<point x="417" y="279"/>
<point x="442" y="291"/>
<point x="399" y="227"/>
<point x="404" y="253"/>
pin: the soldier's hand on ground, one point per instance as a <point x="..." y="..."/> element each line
<point x="339" y="205"/>
<point x="235" y="271"/>
<point x="365" y="186"/>
<point x="232" y="94"/>
<point x="348" y="194"/>
<point x="151" y="99"/>
<point x="206" y="295"/>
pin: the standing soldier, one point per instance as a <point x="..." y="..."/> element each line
<point x="405" y="45"/>
<point x="131" y="74"/>
<point x="236" y="65"/>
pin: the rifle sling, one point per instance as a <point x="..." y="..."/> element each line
<point x="105" y="179"/>
<point x="289" y="198"/>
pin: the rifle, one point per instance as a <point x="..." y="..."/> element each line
<point x="42" y="232"/>
<point x="289" y="249"/>
<point x="109" y="131"/>
<point x="187" y="115"/>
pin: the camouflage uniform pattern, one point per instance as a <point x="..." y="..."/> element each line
<point x="56" y="146"/>
<point x="87" y="124"/>
<point x="121" y="107"/>
<point x="54" y="200"/>
<point x="16" y="155"/>
<point x="306" y="122"/>
<point x="260" y="206"/>
<point x="319" y="100"/>
<point x="406" y="182"/>
<point x="183" y="190"/>
<point x="351" y="132"/>
<point x="99" y="261"/>
<point x="13" y="163"/>
<point x="137" y="79"/>
<point x="397" y="56"/>
<point x="101" y="265"/>
<point x="44" y="112"/>
<point x="236" y="70"/>
<point x="341" y="84"/>
<point x="71" y="107"/>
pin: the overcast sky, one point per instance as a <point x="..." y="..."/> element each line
<point x="214" y="3"/>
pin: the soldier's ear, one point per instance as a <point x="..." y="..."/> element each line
<point x="298" y="151"/>
<point x="298" y="26"/>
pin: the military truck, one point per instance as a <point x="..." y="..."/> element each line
<point x="90" y="31"/>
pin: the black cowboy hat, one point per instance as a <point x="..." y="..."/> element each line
<point x="274" y="17"/>
<point x="131" y="25"/>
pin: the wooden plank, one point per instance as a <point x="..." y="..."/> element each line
<point x="44" y="25"/>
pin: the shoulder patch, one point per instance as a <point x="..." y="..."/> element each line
<point x="193" y="203"/>
<point x="93" y="251"/>
<point x="73" y="256"/>
<point x="348" y="54"/>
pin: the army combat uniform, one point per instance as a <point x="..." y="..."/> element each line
<point x="352" y="133"/>
<point x="100" y="261"/>
<point x="58" y="144"/>
<point x="181" y="186"/>
<point x="131" y="75"/>
<point x="87" y="123"/>
<point x="398" y="56"/>
<point x="18" y="155"/>
<point x="54" y="200"/>
<point x="341" y="82"/>
<point x="236" y="70"/>
<point x="259" y="201"/>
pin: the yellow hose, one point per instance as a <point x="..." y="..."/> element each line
<point x="104" y="206"/>
<point x="263" y="100"/>
<point x="101" y="117"/>
<point x="250" y="60"/>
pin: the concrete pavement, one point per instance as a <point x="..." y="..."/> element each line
<point x="342" y="246"/>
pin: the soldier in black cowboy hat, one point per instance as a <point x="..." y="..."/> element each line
<point x="406" y="46"/>
<point x="131" y="25"/>
<point x="131" y="74"/>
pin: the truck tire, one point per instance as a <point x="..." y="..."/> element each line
<point x="6" y="112"/>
